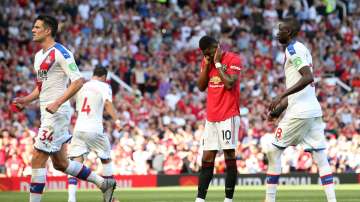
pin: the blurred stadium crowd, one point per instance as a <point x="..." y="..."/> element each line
<point x="153" y="47"/>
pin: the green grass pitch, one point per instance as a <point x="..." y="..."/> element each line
<point x="309" y="193"/>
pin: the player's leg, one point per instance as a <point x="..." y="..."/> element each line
<point x="273" y="173"/>
<point x="210" y="146"/>
<point x="76" y="150"/>
<point x="206" y="174"/>
<point x="325" y="173"/>
<point x="38" y="174"/>
<point x="290" y="131"/>
<point x="228" y="137"/>
<point x="73" y="181"/>
<point x="100" y="144"/>
<point x="314" y="141"/>
<point x="80" y="171"/>
<point x="231" y="174"/>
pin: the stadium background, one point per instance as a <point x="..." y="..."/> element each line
<point x="152" y="47"/>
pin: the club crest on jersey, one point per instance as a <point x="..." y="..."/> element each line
<point x="215" y="79"/>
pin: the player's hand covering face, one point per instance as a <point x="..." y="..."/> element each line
<point x="218" y="54"/>
<point x="209" y="53"/>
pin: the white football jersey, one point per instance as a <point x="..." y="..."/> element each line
<point x="304" y="103"/>
<point x="90" y="101"/>
<point x="54" y="67"/>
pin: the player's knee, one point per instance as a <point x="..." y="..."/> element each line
<point x="229" y="154"/>
<point x="61" y="166"/>
<point x="105" y="161"/>
<point x="209" y="156"/>
<point x="320" y="158"/>
<point x="273" y="154"/>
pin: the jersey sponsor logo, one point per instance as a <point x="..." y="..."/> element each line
<point x="297" y="62"/>
<point x="73" y="67"/>
<point x="216" y="85"/>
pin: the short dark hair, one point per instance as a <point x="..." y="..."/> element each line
<point x="100" y="71"/>
<point x="49" y="21"/>
<point x="207" y="41"/>
<point x="293" y="24"/>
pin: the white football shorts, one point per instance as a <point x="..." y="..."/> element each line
<point x="308" y="132"/>
<point x="221" y="135"/>
<point x="53" y="131"/>
<point x="84" y="142"/>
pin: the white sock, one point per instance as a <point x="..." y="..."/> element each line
<point x="325" y="174"/>
<point x="199" y="200"/>
<point x="228" y="200"/>
<point x="273" y="173"/>
<point x="37" y="185"/>
<point x="72" y="181"/>
<point x="80" y="171"/>
<point x="107" y="170"/>
<point x="271" y="192"/>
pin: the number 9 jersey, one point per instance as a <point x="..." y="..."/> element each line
<point x="90" y="101"/>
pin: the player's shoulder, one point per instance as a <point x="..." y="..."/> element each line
<point x="231" y="55"/>
<point x="62" y="50"/>
<point x="295" y="47"/>
<point x="102" y="85"/>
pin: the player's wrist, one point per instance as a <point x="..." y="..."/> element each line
<point x="218" y="65"/>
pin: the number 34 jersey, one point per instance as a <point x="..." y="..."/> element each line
<point x="90" y="101"/>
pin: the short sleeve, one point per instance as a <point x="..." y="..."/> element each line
<point x="234" y="66"/>
<point x="107" y="93"/>
<point x="298" y="57"/>
<point x="68" y="64"/>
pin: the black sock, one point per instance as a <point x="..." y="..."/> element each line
<point x="231" y="177"/>
<point x="206" y="174"/>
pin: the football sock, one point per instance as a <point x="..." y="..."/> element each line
<point x="37" y="185"/>
<point x="231" y="176"/>
<point x="107" y="170"/>
<point x="80" y="171"/>
<point x="273" y="173"/>
<point x="72" y="181"/>
<point x="206" y="174"/>
<point x="325" y="174"/>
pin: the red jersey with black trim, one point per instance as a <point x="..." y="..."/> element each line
<point x="222" y="103"/>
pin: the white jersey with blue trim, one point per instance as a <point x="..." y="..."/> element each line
<point x="54" y="67"/>
<point x="90" y="101"/>
<point x="304" y="103"/>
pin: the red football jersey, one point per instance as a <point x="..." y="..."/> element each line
<point x="221" y="103"/>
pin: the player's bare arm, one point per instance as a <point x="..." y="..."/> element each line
<point x="204" y="75"/>
<point x="228" y="80"/>
<point x="274" y="114"/>
<point x="306" y="79"/>
<point x="70" y="91"/>
<point x="21" y="102"/>
<point x="110" y="109"/>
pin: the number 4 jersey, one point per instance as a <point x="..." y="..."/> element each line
<point x="90" y="101"/>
